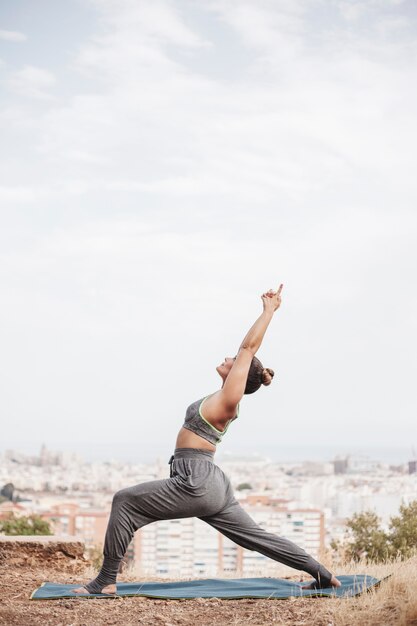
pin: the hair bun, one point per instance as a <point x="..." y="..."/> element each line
<point x="267" y="376"/>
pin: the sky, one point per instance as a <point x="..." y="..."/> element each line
<point x="162" y="165"/>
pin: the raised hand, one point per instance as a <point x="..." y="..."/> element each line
<point x="272" y="299"/>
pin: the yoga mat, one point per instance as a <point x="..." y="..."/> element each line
<point x="217" y="588"/>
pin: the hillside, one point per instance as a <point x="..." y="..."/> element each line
<point x="393" y="604"/>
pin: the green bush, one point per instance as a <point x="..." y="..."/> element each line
<point x="25" y="525"/>
<point x="403" y="531"/>
<point x="243" y="486"/>
<point x="369" y="541"/>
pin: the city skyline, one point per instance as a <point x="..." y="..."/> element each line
<point x="296" y="454"/>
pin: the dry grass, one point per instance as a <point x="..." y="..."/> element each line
<point x="394" y="603"/>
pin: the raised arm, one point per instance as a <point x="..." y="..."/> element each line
<point x="271" y="302"/>
<point x="224" y="402"/>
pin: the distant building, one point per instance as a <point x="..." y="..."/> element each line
<point x="362" y="464"/>
<point x="412" y="467"/>
<point x="46" y="457"/>
<point x="8" y="508"/>
<point x="70" y="519"/>
<point x="355" y="464"/>
<point x="186" y="547"/>
<point x="340" y="465"/>
<point x="314" y="468"/>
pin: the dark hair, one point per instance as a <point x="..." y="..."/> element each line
<point x="258" y="375"/>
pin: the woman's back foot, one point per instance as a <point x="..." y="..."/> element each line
<point x="316" y="585"/>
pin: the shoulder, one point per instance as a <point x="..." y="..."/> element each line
<point x="215" y="408"/>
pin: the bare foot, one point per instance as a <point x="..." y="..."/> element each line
<point x="333" y="583"/>
<point x="109" y="589"/>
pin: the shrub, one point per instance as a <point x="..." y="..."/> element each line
<point x="403" y="531"/>
<point x="369" y="541"/>
<point x="243" y="486"/>
<point x="25" y="525"/>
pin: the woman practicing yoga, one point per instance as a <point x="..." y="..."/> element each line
<point x="197" y="487"/>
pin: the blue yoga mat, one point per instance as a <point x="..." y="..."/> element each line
<point x="217" y="588"/>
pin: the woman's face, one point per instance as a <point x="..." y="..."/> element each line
<point x="226" y="366"/>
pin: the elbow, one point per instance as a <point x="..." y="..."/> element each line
<point x="250" y="347"/>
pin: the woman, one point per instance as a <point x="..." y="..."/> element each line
<point x="197" y="487"/>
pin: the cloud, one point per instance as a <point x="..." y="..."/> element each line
<point x="160" y="21"/>
<point x="12" y="35"/>
<point x="22" y="195"/>
<point x="304" y="117"/>
<point x="301" y="118"/>
<point x="134" y="38"/>
<point x="32" y="82"/>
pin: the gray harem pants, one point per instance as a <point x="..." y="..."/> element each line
<point x="196" y="488"/>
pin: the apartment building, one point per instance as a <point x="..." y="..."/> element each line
<point x="89" y="525"/>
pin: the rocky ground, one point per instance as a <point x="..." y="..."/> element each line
<point x="24" y="569"/>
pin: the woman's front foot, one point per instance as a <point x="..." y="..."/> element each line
<point x="108" y="589"/>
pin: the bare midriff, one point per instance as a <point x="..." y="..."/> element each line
<point x="187" y="439"/>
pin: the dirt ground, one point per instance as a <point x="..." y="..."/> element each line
<point x="392" y="605"/>
<point x="17" y="609"/>
<point x="23" y="570"/>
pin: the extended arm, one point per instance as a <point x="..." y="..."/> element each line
<point x="224" y="402"/>
<point x="256" y="333"/>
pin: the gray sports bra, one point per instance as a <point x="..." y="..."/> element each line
<point x="195" y="422"/>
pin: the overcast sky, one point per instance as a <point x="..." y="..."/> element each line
<point x="162" y="164"/>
